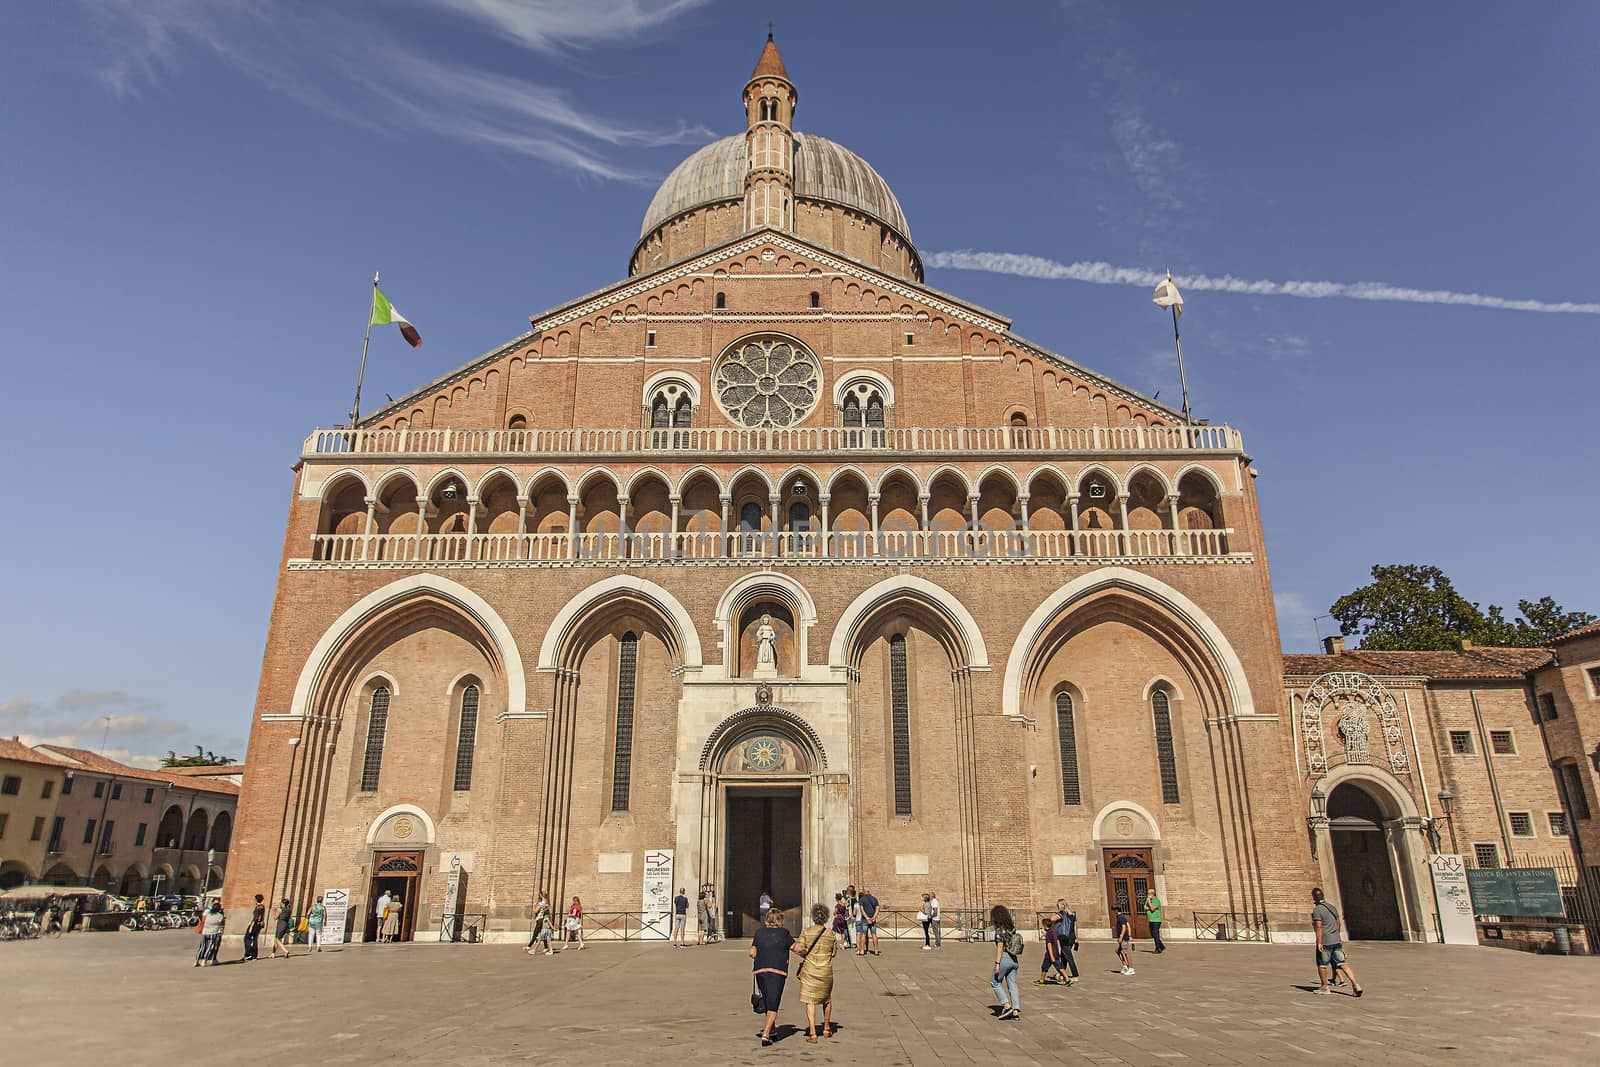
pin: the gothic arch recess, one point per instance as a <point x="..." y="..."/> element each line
<point x="782" y="720"/>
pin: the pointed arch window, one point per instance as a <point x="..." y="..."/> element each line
<point x="1161" y="709"/>
<point x="660" y="417"/>
<point x="377" y="727"/>
<point x="466" y="737"/>
<point x="722" y="301"/>
<point x="1067" y="740"/>
<point x="622" y="755"/>
<point x="875" y="411"/>
<point x="900" y="724"/>
<point x="750" y="518"/>
<point x="682" y="414"/>
<point x="852" y="411"/>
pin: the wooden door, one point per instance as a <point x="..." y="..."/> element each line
<point x="401" y="874"/>
<point x="1130" y="878"/>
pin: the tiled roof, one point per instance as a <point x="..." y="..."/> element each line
<point x="216" y="770"/>
<point x="99" y="764"/>
<point x="770" y="64"/>
<point x="1590" y="630"/>
<point x="12" y="749"/>
<point x="1502" y="663"/>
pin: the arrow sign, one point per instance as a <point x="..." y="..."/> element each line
<point x="657" y="859"/>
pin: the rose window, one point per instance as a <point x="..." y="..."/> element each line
<point x="768" y="381"/>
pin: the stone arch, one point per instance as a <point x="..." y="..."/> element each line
<point x="1117" y="807"/>
<point x="340" y="475"/>
<point x="903" y="471"/>
<point x="1209" y="637"/>
<point x="781" y="719"/>
<point x="396" y="810"/>
<point x="684" y="641"/>
<point x="749" y="588"/>
<point x="699" y="471"/>
<point x="1393" y="797"/>
<point x="397" y="595"/>
<point x="970" y="649"/>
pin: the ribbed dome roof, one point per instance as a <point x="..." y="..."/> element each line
<point x="823" y="170"/>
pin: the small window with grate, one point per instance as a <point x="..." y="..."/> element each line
<point x="1521" y="823"/>
<point x="816" y="300"/>
<point x="1161" y="707"/>
<point x="1547" y="707"/>
<point x="11" y="785"/>
<point x="1461" y="742"/>
<point x="466" y="737"/>
<point x="900" y="724"/>
<point x="649" y="338"/>
<point x="1558" y="823"/>
<point x="1067" y="739"/>
<point x="377" y="726"/>
<point x="622" y="754"/>
<point x="1502" y="743"/>
<point x="1488" y="856"/>
<point x="722" y="301"/>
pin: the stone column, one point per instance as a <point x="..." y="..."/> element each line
<point x="366" y="536"/>
<point x="672" y="537"/>
<point x="472" y="528"/>
<point x="722" y="536"/>
<point x="1172" y="524"/>
<point x="924" y="535"/>
<point x="1122" y="523"/>
<point x="1072" y="524"/>
<point x="825" y="538"/>
<point x="572" y="527"/>
<point x="622" y="525"/>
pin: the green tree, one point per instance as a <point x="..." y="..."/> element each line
<point x="203" y="757"/>
<point x="1414" y="606"/>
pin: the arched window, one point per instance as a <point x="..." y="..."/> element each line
<point x="900" y="724"/>
<point x="622" y="756"/>
<point x="1019" y="419"/>
<point x="875" y="410"/>
<point x="1161" y="708"/>
<point x="816" y="300"/>
<point x="377" y="725"/>
<point x="660" y="417"/>
<point x="682" y="414"/>
<point x="799" y="515"/>
<point x="1067" y="739"/>
<point x="750" y="518"/>
<point x="722" y="301"/>
<point x="852" y="411"/>
<point x="466" y="737"/>
<point x="517" y="422"/>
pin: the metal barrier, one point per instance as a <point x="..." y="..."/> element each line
<point x="466" y="926"/>
<point x="955" y="924"/>
<point x="1231" y="926"/>
<point x="621" y="926"/>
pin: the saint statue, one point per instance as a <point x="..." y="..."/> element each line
<point x="766" y="643"/>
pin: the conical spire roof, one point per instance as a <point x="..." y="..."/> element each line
<point x="770" y="64"/>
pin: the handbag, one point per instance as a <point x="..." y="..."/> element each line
<point x="758" y="1003"/>
<point x="303" y="924"/>
<point x="922" y="917"/>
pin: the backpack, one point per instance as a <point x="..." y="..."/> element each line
<point x="1066" y="926"/>
<point x="1014" y="944"/>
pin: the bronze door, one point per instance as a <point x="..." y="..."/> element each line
<point x="1130" y="879"/>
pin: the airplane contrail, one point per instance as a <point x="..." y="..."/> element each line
<point x="1097" y="273"/>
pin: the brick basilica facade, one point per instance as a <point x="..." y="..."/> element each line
<point x="773" y="558"/>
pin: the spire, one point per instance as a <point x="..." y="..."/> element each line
<point x="770" y="65"/>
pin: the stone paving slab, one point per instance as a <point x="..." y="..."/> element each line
<point x="134" y="998"/>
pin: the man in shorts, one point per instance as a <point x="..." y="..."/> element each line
<point x="868" y="927"/>
<point x="1330" y="946"/>
<point x="1124" y="934"/>
<point x="680" y="919"/>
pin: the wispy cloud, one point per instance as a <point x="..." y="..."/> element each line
<point x="1098" y="273"/>
<point x="357" y="69"/>
<point x="1296" y="629"/>
<point x="94" y="719"/>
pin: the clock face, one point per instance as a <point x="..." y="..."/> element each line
<point x="762" y="753"/>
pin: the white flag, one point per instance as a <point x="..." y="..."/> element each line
<point x="1167" y="296"/>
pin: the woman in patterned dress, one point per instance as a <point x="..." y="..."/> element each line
<point x="816" y="972"/>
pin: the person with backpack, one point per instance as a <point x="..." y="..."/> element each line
<point x="1330" y="946"/>
<point x="1064" y="923"/>
<point x="1123" y="929"/>
<point x="1007" y="959"/>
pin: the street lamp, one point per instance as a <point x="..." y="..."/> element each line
<point x="1447" y="801"/>
<point x="1318" y="819"/>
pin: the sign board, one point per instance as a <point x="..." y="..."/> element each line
<point x="454" y="899"/>
<point x="1511" y="891"/>
<point x="336" y="904"/>
<point x="1454" y="898"/>
<point x="656" y="904"/>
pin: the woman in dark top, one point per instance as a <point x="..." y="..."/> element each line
<point x="252" y="933"/>
<point x="280" y="931"/>
<point x="770" y="951"/>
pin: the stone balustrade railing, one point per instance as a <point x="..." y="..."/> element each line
<point x="684" y="546"/>
<point x="734" y="441"/>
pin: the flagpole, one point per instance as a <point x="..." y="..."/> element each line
<point x="355" y="409"/>
<point x="1182" y="378"/>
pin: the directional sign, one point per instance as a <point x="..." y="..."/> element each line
<point x="657" y="897"/>
<point x="336" y="905"/>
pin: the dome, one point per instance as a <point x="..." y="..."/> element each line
<point x="823" y="170"/>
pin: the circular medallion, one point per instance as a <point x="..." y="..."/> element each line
<point x="1124" y="826"/>
<point x="767" y="381"/>
<point x="402" y="828"/>
<point x="763" y="695"/>
<point x="762" y="753"/>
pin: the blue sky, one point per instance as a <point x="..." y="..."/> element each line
<point x="194" y="194"/>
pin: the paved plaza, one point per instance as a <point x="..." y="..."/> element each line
<point x="134" y="998"/>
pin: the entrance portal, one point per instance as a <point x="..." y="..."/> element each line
<point x="400" y="874"/>
<point x="1129" y="880"/>
<point x="1365" y="865"/>
<point x="763" y="832"/>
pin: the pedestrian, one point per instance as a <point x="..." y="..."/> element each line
<point x="816" y="972"/>
<point x="314" y="920"/>
<point x="1051" y="957"/>
<point x="859" y="921"/>
<point x="1064" y="924"/>
<point x="935" y="917"/>
<point x="770" y="951"/>
<point x="280" y="930"/>
<point x="1123" y="930"/>
<point x="680" y="919"/>
<point x="1330" y="946"/>
<point x="713" y="931"/>
<point x="575" y="922"/>
<point x="1153" y="915"/>
<point x="1007" y="958"/>
<point x="380" y="912"/>
<point x="211" y="924"/>
<point x="764" y="905"/>
<point x="391" y="920"/>
<point x="541" y="925"/>
<point x="869" y="912"/>
<point x="925" y="917"/>
<point x="252" y="933"/>
<point x="841" y="919"/>
<point x="700" y="918"/>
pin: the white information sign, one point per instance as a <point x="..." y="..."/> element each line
<point x="657" y="897"/>
<point x="449" y="920"/>
<point x="336" y="902"/>
<point x="1450" y="890"/>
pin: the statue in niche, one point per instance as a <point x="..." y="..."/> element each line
<point x="1353" y="732"/>
<point x="766" y="647"/>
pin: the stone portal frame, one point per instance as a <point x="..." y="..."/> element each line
<point x="431" y="831"/>
<point x="1404" y="836"/>
<point x="1060" y="603"/>
<point x="751" y="588"/>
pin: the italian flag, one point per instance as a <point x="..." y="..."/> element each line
<point x="383" y="314"/>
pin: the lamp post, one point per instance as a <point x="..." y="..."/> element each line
<point x="1446" y="804"/>
<point x="1317" y="821"/>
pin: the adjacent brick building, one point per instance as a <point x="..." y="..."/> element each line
<point x="773" y="557"/>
